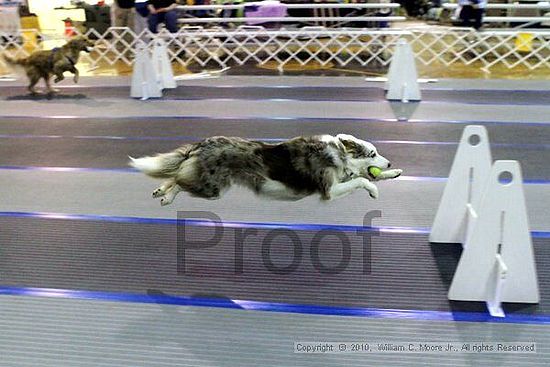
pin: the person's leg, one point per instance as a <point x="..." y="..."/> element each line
<point x="478" y="18"/>
<point x="130" y="18"/>
<point x="118" y="16"/>
<point x="127" y="21"/>
<point x="466" y="16"/>
<point x="140" y="18"/>
<point x="113" y="14"/>
<point x="153" y="20"/>
<point x="162" y="18"/>
<point x="171" y="21"/>
<point x="142" y="9"/>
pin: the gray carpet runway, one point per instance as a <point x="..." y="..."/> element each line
<point x="87" y="333"/>
<point x="390" y="271"/>
<point x="402" y="202"/>
<point x="182" y="127"/>
<point x="106" y="143"/>
<point x="276" y="109"/>
<point x="78" y="227"/>
<point x="430" y="160"/>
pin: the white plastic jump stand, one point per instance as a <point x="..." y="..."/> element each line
<point x="161" y="63"/>
<point x="497" y="264"/>
<point x="402" y="83"/>
<point x="460" y="200"/>
<point x="144" y="78"/>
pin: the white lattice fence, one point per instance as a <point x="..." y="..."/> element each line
<point x="343" y="47"/>
<point x="509" y="48"/>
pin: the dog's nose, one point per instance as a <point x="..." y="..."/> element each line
<point x="389" y="164"/>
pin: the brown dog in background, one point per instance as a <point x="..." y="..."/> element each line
<point x="44" y="64"/>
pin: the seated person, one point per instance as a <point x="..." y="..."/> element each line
<point x="162" y="11"/>
<point x="471" y="13"/>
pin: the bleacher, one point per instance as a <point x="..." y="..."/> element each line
<point x="329" y="14"/>
<point x="513" y="14"/>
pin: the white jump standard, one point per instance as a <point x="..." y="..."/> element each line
<point x="483" y="207"/>
<point x="402" y="83"/>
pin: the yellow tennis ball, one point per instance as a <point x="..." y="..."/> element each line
<point x="374" y="171"/>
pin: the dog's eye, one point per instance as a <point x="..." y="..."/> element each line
<point x="372" y="155"/>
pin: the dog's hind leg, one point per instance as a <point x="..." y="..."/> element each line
<point x="170" y="195"/>
<point x="162" y="189"/>
<point x="49" y="86"/>
<point x="33" y="80"/>
<point x="345" y="188"/>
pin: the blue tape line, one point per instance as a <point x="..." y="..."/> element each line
<point x="208" y="223"/>
<point x="477" y="122"/>
<point x="360" y="90"/>
<point x="274" y="307"/>
<point x="282" y="118"/>
<point x="233" y="224"/>
<point x="353" y="100"/>
<point x="540" y="234"/>
<point x="428" y="87"/>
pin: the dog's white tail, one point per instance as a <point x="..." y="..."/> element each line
<point x="160" y="166"/>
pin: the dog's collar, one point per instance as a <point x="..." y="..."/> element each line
<point x="54" y="51"/>
<point x="73" y="63"/>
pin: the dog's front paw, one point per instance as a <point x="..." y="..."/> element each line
<point x="374" y="193"/>
<point x="165" y="201"/>
<point x="372" y="189"/>
<point x="393" y="173"/>
<point x="158" y="193"/>
<point x="75" y="79"/>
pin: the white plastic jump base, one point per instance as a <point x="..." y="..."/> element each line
<point x="145" y="83"/>
<point x="402" y="83"/>
<point x="487" y="214"/>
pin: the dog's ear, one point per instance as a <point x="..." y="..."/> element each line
<point x="349" y="142"/>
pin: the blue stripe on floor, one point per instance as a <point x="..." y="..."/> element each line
<point x="381" y="99"/>
<point x="511" y="101"/>
<point x="209" y="223"/>
<point x="271" y="118"/>
<point x="132" y="170"/>
<point x="427" y="86"/>
<point x="233" y="224"/>
<point x="165" y="299"/>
